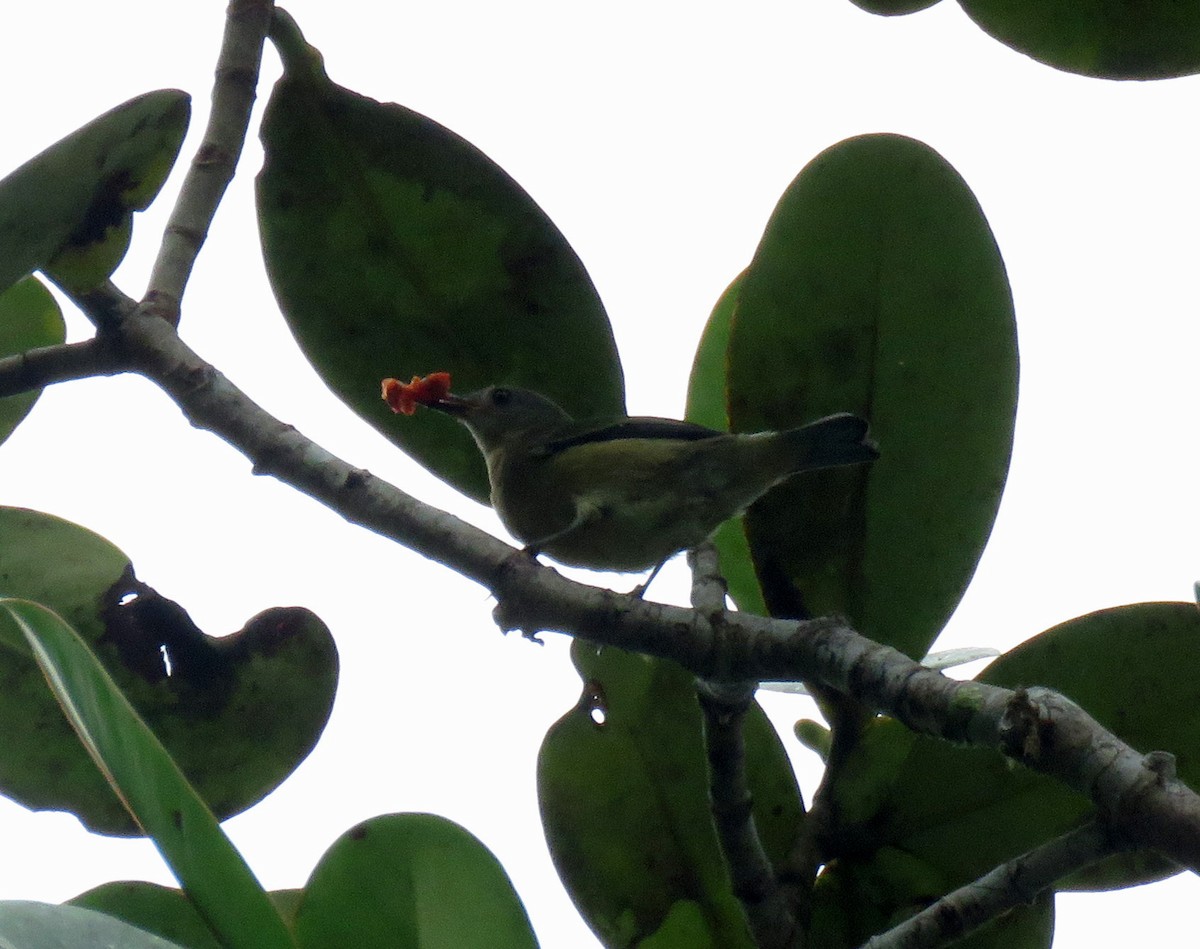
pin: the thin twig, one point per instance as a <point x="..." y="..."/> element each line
<point x="38" y="368"/>
<point x="1017" y="882"/>
<point x="212" y="168"/>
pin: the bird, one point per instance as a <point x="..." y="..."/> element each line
<point x="627" y="494"/>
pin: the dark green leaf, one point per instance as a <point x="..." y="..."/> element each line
<point x="410" y="880"/>
<point x="878" y="289"/>
<point x="150" y="785"/>
<point x="69" y="210"/>
<point x="893" y="7"/>
<point x="623" y="786"/>
<point x="397" y="248"/>
<point x="278" y="675"/>
<point x="29" y="318"/>
<point x="1149" y="39"/>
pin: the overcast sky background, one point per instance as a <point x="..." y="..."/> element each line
<point x="658" y="137"/>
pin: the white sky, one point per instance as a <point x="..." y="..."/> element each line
<point x="659" y="141"/>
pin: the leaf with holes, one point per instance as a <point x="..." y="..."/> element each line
<point x="238" y="713"/>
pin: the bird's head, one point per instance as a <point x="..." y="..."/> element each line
<point x="500" y="415"/>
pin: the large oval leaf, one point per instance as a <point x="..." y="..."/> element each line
<point x="29" y="318"/>
<point x="623" y="788"/>
<point x="395" y="248"/>
<point x="69" y="210"/>
<point x="878" y="289"/>
<point x="410" y="880"/>
<point x="279" y="672"/>
<point x="1149" y="39"/>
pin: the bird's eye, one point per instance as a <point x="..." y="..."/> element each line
<point x="501" y="396"/>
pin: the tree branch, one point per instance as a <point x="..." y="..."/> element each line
<point x="37" y="368"/>
<point x="1009" y="885"/>
<point x="212" y="168"/>
<point x="724" y="706"/>
<point x="798" y="872"/>
<point x="1041" y="729"/>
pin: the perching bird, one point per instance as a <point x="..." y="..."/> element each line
<point x="627" y="495"/>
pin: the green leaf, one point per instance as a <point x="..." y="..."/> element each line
<point x="162" y="910"/>
<point x="684" y="928"/>
<point x="866" y="775"/>
<point x="279" y="672"/>
<point x="1150" y="39"/>
<point x="70" y="209"/>
<point x="166" y="911"/>
<point x="878" y="289"/>
<point x="1109" y="662"/>
<point x="29" y="925"/>
<point x="151" y="786"/>
<point x="1119" y="871"/>
<point x="623" y="787"/>
<point x="410" y="880"/>
<point x="706" y="406"/>
<point x="397" y="248"/>
<point x="856" y="899"/>
<point x="706" y="384"/>
<point x="966" y="810"/>
<point x="29" y="318"/>
<point x="893" y="7"/>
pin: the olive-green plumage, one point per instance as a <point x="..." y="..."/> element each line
<point x="627" y="495"/>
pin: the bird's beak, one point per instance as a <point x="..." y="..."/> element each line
<point x="455" y="405"/>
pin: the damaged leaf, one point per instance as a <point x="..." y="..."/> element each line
<point x="238" y="713"/>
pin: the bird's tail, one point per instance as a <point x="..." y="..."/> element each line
<point x="830" y="442"/>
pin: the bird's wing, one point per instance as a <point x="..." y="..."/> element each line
<point x="648" y="428"/>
